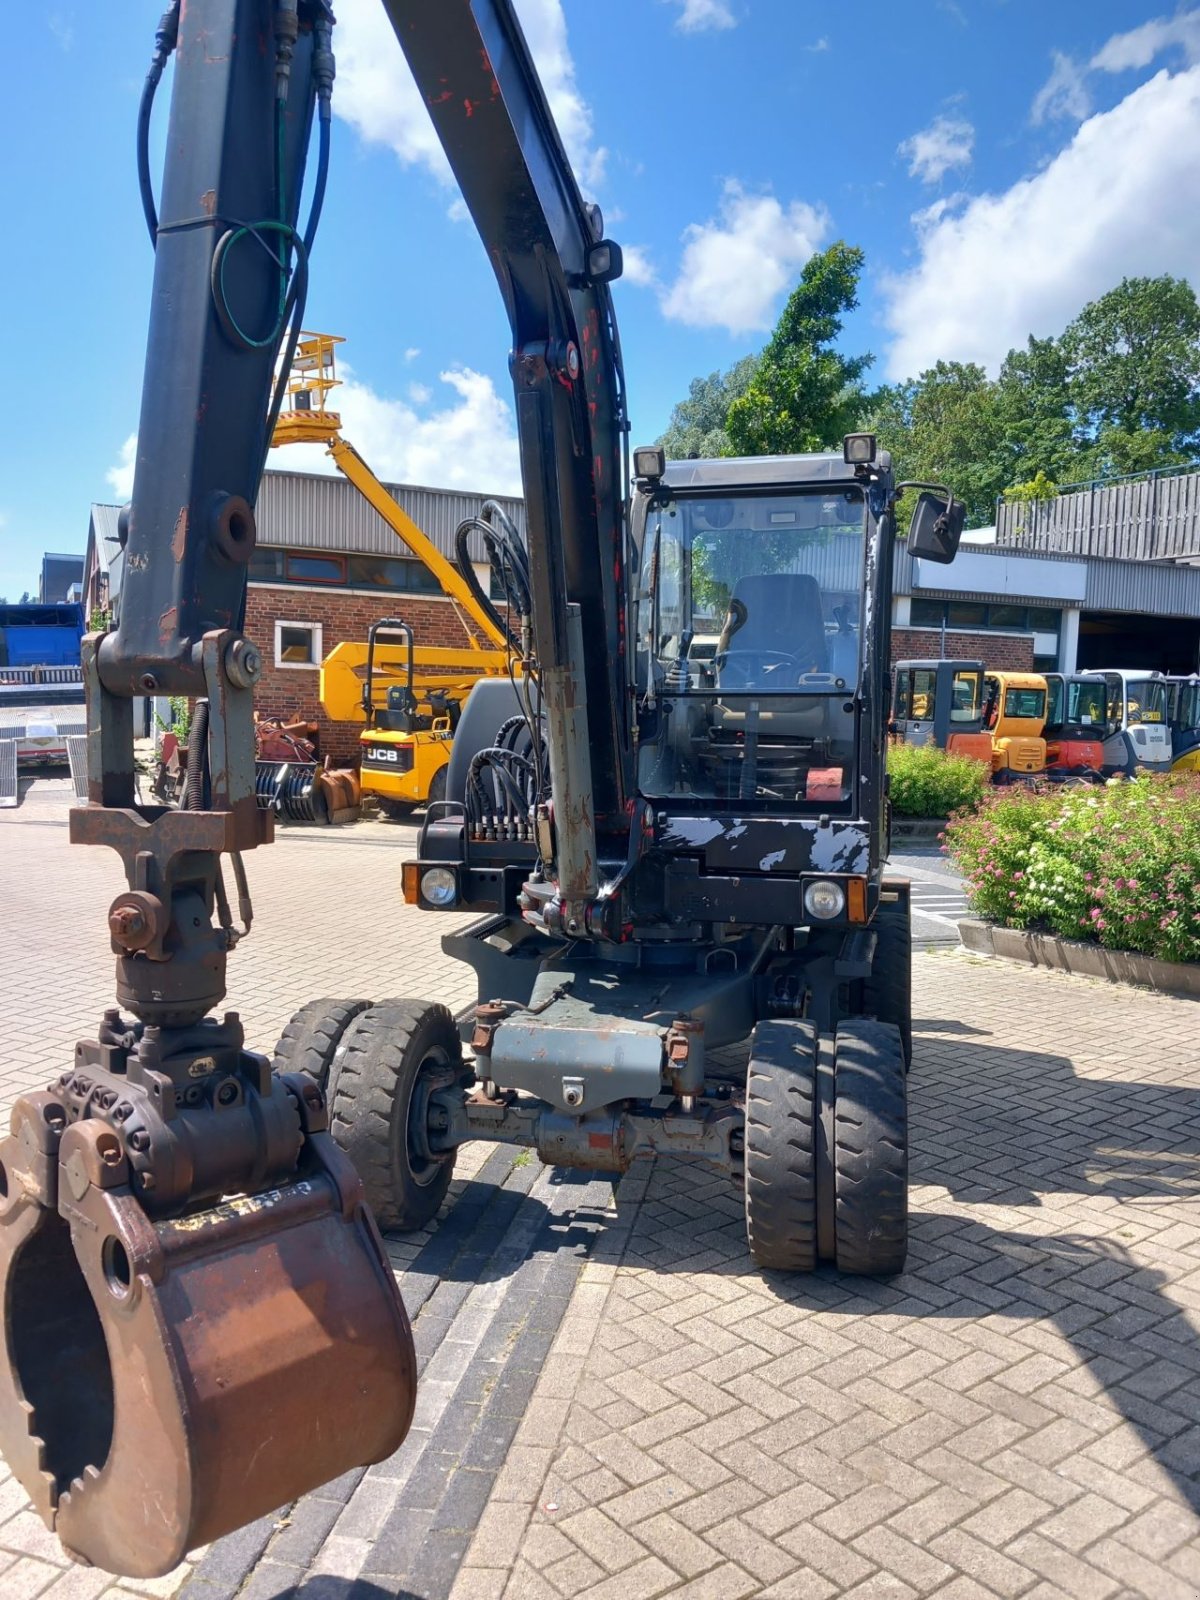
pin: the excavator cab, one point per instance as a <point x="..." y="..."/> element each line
<point x="940" y="702"/>
<point x="1183" y="711"/>
<point x="1014" y="714"/>
<point x="1076" y="726"/>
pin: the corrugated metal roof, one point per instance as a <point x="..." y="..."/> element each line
<point x="1155" y="588"/>
<point x="316" y="511"/>
<point x="104" y="525"/>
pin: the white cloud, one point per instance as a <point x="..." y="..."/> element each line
<point x="469" y="442"/>
<point x="736" y="265"/>
<point x="377" y="96"/>
<point x="1066" y="93"/>
<point x="703" y="16"/>
<point x="62" y="30"/>
<point x="1140" y="46"/>
<point x="946" y="143"/>
<point x="818" y="46"/>
<point x="413" y="351"/>
<point x="120" y="475"/>
<point x="639" y="269"/>
<point x="1026" y="260"/>
<point x="929" y="216"/>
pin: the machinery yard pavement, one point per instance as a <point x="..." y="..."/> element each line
<point x="614" y="1403"/>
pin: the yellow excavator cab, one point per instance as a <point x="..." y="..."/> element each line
<point x="1014" y="713"/>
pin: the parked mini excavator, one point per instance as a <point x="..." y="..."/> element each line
<point x="670" y="852"/>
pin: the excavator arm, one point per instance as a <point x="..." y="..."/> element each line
<point x="179" y="1362"/>
<point x="554" y="267"/>
<point x="201" y="1323"/>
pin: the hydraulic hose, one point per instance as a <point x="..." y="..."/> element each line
<point x="166" y="37"/>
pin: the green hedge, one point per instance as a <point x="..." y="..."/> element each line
<point x="1117" y="865"/>
<point x="926" y="782"/>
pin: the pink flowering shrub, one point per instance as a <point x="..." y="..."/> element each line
<point x="1118" y="865"/>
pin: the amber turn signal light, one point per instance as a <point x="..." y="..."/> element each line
<point x="856" y="899"/>
<point x="410" y="877"/>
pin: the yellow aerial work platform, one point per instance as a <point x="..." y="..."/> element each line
<point x="402" y="767"/>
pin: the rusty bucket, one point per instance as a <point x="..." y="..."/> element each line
<point x="170" y="1379"/>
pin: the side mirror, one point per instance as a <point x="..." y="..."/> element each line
<point x="936" y="527"/>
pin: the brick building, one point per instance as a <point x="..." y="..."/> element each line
<point x="326" y="566"/>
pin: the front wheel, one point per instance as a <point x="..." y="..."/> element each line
<point x="781" y="1183"/>
<point x="870" y="1149"/>
<point x="399" y="1054"/>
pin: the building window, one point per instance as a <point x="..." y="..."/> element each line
<point x="927" y="613"/>
<point x="392" y="573"/>
<point x="299" y="568"/>
<point x="974" y="616"/>
<point x="966" y="614"/>
<point x="297" y="644"/>
<point x="377" y="574"/>
<point x="1006" y="616"/>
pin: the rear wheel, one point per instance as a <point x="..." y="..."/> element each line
<point x="870" y="1149"/>
<point x="437" y="786"/>
<point x="780" y="1134"/>
<point x="397" y="810"/>
<point x="887" y="993"/>
<point x="399" y="1054"/>
<point x="313" y="1038"/>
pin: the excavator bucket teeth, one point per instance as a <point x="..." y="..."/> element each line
<point x="170" y="1380"/>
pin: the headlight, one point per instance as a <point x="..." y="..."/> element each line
<point x="824" y="899"/>
<point x="439" y="886"/>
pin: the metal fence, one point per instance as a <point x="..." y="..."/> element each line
<point x="1152" y="518"/>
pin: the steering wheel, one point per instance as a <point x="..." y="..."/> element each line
<point x="741" y="666"/>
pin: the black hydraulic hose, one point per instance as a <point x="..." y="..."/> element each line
<point x="470" y="578"/>
<point x="319" y="182"/>
<point x="166" y="36"/>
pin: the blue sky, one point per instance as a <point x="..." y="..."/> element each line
<point x="1000" y="162"/>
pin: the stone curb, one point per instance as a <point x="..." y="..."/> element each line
<point x="1081" y="960"/>
<point x="912" y="830"/>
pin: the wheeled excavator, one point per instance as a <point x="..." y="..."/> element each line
<point x="673" y="829"/>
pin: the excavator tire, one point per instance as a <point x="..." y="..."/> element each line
<point x="399" y="1051"/>
<point x="887" y="993"/>
<point x="870" y="1149"/>
<point x="314" y="1037"/>
<point x="437" y="786"/>
<point x="781" y="1184"/>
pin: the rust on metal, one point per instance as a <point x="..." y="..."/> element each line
<point x="179" y="541"/>
<point x="180" y="1366"/>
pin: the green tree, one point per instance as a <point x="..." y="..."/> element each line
<point x="1133" y="369"/>
<point x="1033" y="407"/>
<point x="943" y="427"/>
<point x="697" y="426"/>
<point x="805" y="395"/>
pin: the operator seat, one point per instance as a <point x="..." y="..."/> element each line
<point x="782" y="614"/>
<point x="769" y="613"/>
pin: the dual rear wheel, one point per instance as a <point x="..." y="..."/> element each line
<point x="379" y="1066"/>
<point x="826" y="1148"/>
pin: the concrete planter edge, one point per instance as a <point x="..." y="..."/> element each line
<point x="1081" y="960"/>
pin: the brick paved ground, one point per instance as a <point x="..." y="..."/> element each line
<point x="614" y="1404"/>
